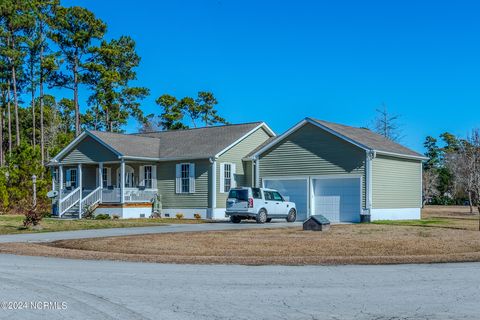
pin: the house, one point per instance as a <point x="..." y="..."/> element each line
<point x="191" y="170"/>
<point x="339" y="171"/>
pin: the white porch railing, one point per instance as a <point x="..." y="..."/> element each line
<point x="137" y="195"/>
<point x="69" y="201"/>
<point x="92" y="198"/>
<point x="111" y="195"/>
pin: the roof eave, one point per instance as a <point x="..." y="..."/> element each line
<point x="401" y="155"/>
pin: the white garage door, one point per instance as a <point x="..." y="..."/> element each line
<point x="295" y="190"/>
<point x="338" y="199"/>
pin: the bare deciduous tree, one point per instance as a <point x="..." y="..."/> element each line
<point x="387" y="124"/>
<point x="429" y="184"/>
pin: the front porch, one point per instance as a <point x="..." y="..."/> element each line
<point x="121" y="183"/>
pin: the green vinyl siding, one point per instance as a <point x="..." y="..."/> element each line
<point x="311" y="151"/>
<point x="235" y="155"/>
<point x="396" y="183"/>
<point x="88" y="151"/>
<point x="166" y="185"/>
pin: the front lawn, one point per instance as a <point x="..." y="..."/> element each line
<point x="439" y="237"/>
<point x="10" y="224"/>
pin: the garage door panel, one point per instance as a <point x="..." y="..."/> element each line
<point x="338" y="199"/>
<point x="295" y="190"/>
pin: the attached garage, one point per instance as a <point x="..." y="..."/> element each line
<point x="341" y="172"/>
<point x="293" y="189"/>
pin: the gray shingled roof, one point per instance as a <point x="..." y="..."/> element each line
<point x="198" y="143"/>
<point x="367" y="138"/>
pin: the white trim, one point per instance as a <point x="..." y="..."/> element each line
<point x="263" y="124"/>
<point x="421" y="185"/>
<point x="78" y="140"/>
<point x="395" y="214"/>
<point x="400" y="155"/>
<point x="122" y="182"/>
<point x="257" y="173"/>
<point x="213" y="187"/>
<point x="79" y="183"/>
<point x="335" y="133"/>
<point x="369" y="156"/>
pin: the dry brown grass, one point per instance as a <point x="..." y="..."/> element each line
<point x="443" y="236"/>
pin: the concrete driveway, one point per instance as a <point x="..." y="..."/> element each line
<point x="98" y="233"/>
<point x="120" y="290"/>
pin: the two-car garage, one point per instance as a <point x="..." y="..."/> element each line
<point x="341" y="172"/>
<point x="337" y="198"/>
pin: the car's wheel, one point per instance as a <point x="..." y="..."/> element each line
<point x="235" y="219"/>
<point x="292" y="215"/>
<point x="269" y="219"/>
<point x="261" y="216"/>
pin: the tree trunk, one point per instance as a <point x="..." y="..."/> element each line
<point x="75" y="98"/>
<point x="470" y="201"/>
<point x="9" y="120"/>
<point x="15" y="98"/>
<point x="1" y="138"/>
<point x="33" y="115"/>
<point x="42" y="134"/>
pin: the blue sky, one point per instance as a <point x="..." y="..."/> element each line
<point x="280" y="61"/>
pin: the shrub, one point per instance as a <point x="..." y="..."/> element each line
<point x="179" y="216"/>
<point x="102" y="216"/>
<point x="88" y="212"/>
<point x="32" y="218"/>
<point x="115" y="217"/>
<point x="197" y="216"/>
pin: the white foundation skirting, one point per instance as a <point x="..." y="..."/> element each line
<point x="395" y="214"/>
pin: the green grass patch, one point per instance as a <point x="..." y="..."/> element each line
<point x="13" y="224"/>
<point x="419" y="223"/>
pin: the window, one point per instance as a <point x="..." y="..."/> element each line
<point x="129" y="177"/>
<point x="72" y="179"/>
<point x="185" y="177"/>
<point x="147" y="176"/>
<point x="257" y="194"/>
<point x="277" y="196"/>
<point x="268" y="195"/>
<point x="105" y="177"/>
<point x="227" y="175"/>
<point x="239" y="194"/>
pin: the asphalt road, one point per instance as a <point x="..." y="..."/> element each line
<point x="120" y="290"/>
<point x="97" y="233"/>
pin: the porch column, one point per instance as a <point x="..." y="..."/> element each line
<point x="122" y="181"/>
<point x="213" y="190"/>
<point x="60" y="187"/>
<point x="79" y="173"/>
<point x="100" y="179"/>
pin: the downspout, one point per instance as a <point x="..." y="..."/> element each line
<point x="370" y="155"/>
<point x="257" y="172"/>
<point x="213" y="187"/>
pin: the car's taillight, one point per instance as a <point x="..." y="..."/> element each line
<point x="250" y="202"/>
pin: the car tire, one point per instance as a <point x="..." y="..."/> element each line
<point x="261" y="216"/>
<point x="292" y="215"/>
<point x="269" y="219"/>
<point x="235" y="219"/>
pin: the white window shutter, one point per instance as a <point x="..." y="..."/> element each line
<point x="178" y="178"/>
<point x="109" y="177"/>
<point x="154" y="177"/>
<point x="233" y="171"/>
<point x="192" y="177"/>
<point x="141" y="176"/>
<point x="222" y="177"/>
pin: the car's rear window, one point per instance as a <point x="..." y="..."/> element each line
<point x="239" y="194"/>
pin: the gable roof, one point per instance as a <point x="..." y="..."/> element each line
<point x="362" y="138"/>
<point x="200" y="143"/>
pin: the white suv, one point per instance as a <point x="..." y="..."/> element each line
<point x="260" y="204"/>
